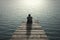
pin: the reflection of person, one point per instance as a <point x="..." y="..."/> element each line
<point x="29" y="19"/>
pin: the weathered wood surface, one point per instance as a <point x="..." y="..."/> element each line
<point x="34" y="33"/>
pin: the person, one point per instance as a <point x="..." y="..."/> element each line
<point x="29" y="26"/>
<point x="29" y="19"/>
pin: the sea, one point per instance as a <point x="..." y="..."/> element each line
<point x="14" y="12"/>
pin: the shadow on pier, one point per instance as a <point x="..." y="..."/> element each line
<point x="28" y="30"/>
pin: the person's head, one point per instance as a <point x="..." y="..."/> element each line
<point x="29" y="15"/>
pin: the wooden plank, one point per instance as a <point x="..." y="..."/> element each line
<point x="28" y="39"/>
<point x="31" y="30"/>
<point x="31" y="36"/>
<point x="20" y="33"/>
<point x="35" y="33"/>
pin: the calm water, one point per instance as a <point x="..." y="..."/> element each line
<point x="12" y="13"/>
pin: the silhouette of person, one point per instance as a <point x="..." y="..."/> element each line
<point x="29" y="19"/>
<point x="29" y="26"/>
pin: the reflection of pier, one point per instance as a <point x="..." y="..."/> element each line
<point x="29" y="32"/>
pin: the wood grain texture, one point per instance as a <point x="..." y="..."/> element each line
<point x="34" y="33"/>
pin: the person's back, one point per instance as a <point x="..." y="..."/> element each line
<point x="29" y="19"/>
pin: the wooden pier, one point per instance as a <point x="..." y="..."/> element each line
<point x="29" y="32"/>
